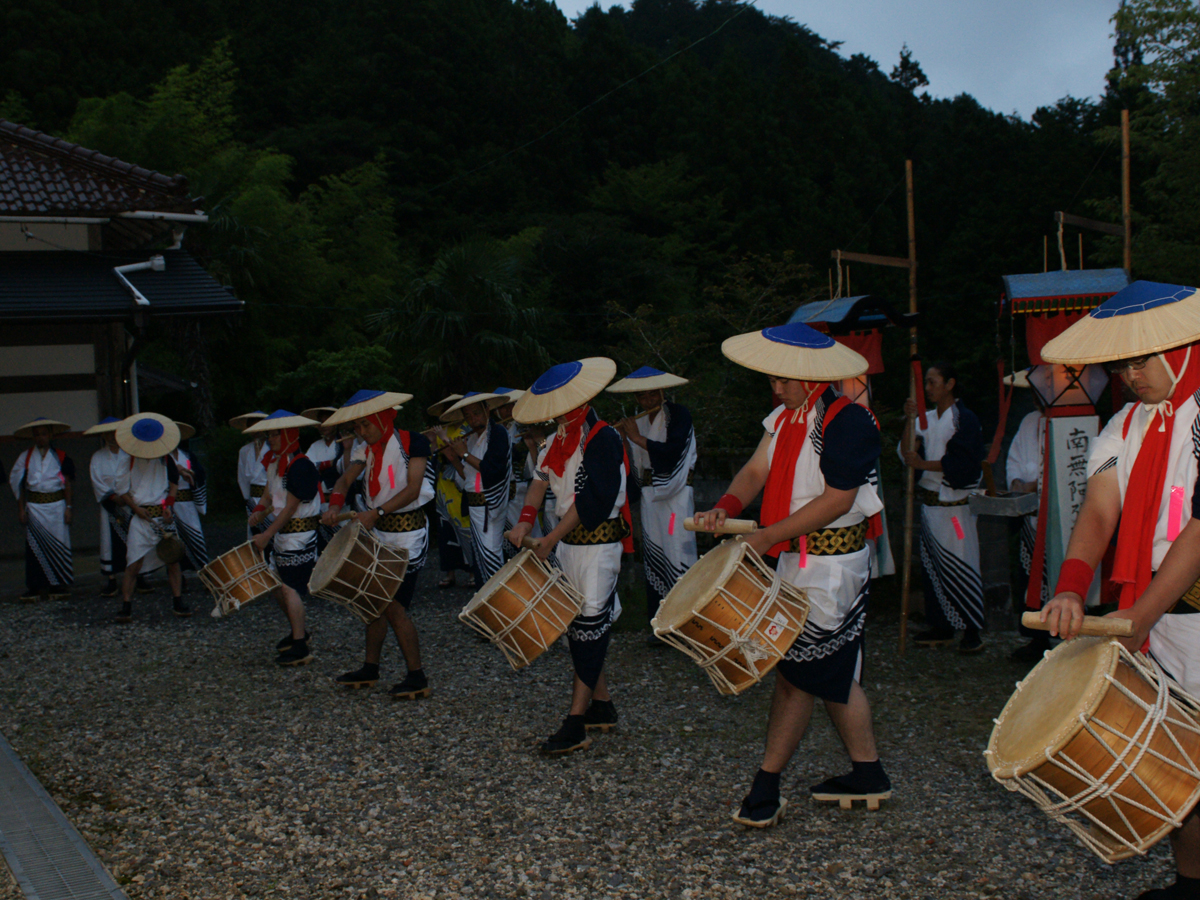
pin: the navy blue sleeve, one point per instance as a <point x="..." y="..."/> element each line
<point x="67" y="465"/>
<point x="964" y="452"/>
<point x="1196" y="499"/>
<point x="665" y="455"/>
<point x="419" y="446"/>
<point x="199" y="473"/>
<point x="495" y="465"/>
<point x="603" y="459"/>
<point x="301" y="479"/>
<point x="851" y="448"/>
<point x="172" y="471"/>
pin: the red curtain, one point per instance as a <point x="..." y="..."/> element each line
<point x="1040" y="329"/>
<point x="869" y="344"/>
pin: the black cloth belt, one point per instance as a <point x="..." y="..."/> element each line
<point x="300" y="526"/>
<point x="607" y="532"/>
<point x="401" y="521"/>
<point x="833" y="541"/>
<point x="39" y="497"/>
<point x="930" y="498"/>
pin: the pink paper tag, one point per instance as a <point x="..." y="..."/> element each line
<point x="957" y="527"/>
<point x="478" y="483"/>
<point x="671" y="525"/>
<point x="1175" y="513"/>
<point x="392" y="477"/>
<point x="804" y="551"/>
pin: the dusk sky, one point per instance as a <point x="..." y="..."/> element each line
<point x="1011" y="56"/>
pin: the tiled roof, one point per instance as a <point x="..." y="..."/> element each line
<point x="41" y="175"/>
<point x="54" y="285"/>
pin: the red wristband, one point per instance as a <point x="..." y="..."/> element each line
<point x="731" y="504"/>
<point x="1075" y="576"/>
<point x="259" y="508"/>
<point x="337" y="499"/>
<point x="528" y="514"/>
<point x="169" y="502"/>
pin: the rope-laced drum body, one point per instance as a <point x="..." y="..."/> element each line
<point x="359" y="572"/>
<point x="733" y="615"/>
<point x="524" y="608"/>
<point x="1105" y="743"/>
<point x="236" y="577"/>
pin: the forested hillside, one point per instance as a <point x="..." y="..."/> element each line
<point x="459" y="191"/>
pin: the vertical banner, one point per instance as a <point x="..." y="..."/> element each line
<point x="1065" y="477"/>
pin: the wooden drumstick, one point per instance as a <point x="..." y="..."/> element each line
<point x="1093" y="626"/>
<point x="731" y="526"/>
<point x="530" y="543"/>
<point x="344" y="517"/>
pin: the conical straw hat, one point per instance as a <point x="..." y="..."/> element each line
<point x="280" y="420"/>
<point x="794" y="351"/>
<point x="511" y="395"/>
<point x="563" y="388"/>
<point x="147" y="435"/>
<point x="185" y="430"/>
<point x="455" y="412"/>
<point x="26" y="430"/>
<point x="1020" y="378"/>
<point x="1144" y="318"/>
<point x="246" y="419"/>
<point x="104" y="426"/>
<point x="367" y="403"/>
<point x="646" y="379"/>
<point x="436" y="409"/>
<point x="320" y="413"/>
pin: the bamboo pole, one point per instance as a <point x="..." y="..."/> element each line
<point x="910" y="482"/>
<point x="1126" y="211"/>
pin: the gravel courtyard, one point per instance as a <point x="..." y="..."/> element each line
<point x="196" y="768"/>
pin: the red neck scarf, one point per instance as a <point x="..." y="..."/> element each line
<point x="384" y="421"/>
<point x="567" y="440"/>
<point x="289" y="449"/>
<point x="781" y="477"/>
<point x="1144" y="493"/>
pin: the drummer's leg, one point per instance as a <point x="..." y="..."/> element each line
<point x="791" y="711"/>
<point x="1185" y="842"/>
<point x="376" y="633"/>
<point x="293" y="608"/>
<point x="127" y="584"/>
<point x="852" y="720"/>
<point x="402" y="624"/>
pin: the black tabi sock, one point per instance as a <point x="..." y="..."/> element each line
<point x="370" y="670"/>
<point x="765" y="788"/>
<point x="418" y="674"/>
<point x="868" y="776"/>
<point x="1185" y="888"/>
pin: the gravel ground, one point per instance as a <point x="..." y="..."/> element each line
<point x="196" y="768"/>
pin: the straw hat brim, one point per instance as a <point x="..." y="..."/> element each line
<point x="320" y="413"/>
<point x="756" y="352"/>
<point x="244" y="421"/>
<point x="436" y="409"/>
<point x="135" y="446"/>
<point x="185" y="430"/>
<point x="1097" y="339"/>
<point x="103" y="427"/>
<point x="455" y="413"/>
<point x="662" y="382"/>
<point x="26" y="430"/>
<point x="593" y="376"/>
<point x="510" y="396"/>
<point x="262" y="426"/>
<point x="355" y="411"/>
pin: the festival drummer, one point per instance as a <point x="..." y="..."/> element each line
<point x="290" y="539"/>
<point x="482" y="460"/>
<point x="149" y="488"/>
<point x="42" y="479"/>
<point x="662" y="451"/>
<point x="251" y="474"/>
<point x="1142" y="480"/>
<point x="191" y="502"/>
<point x="813" y="466"/>
<point x="399" y="477"/>
<point x="584" y="463"/>
<point x="105" y="467"/>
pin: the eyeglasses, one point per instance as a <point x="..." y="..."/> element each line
<point x="1118" y="366"/>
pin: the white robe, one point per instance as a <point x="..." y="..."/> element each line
<point x="187" y="517"/>
<point x="105" y="468"/>
<point x="1174" y="639"/>
<point x="46" y="532"/>
<point x="393" y="479"/>
<point x="146" y="482"/>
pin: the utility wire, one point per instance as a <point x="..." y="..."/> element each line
<point x="742" y="8"/>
